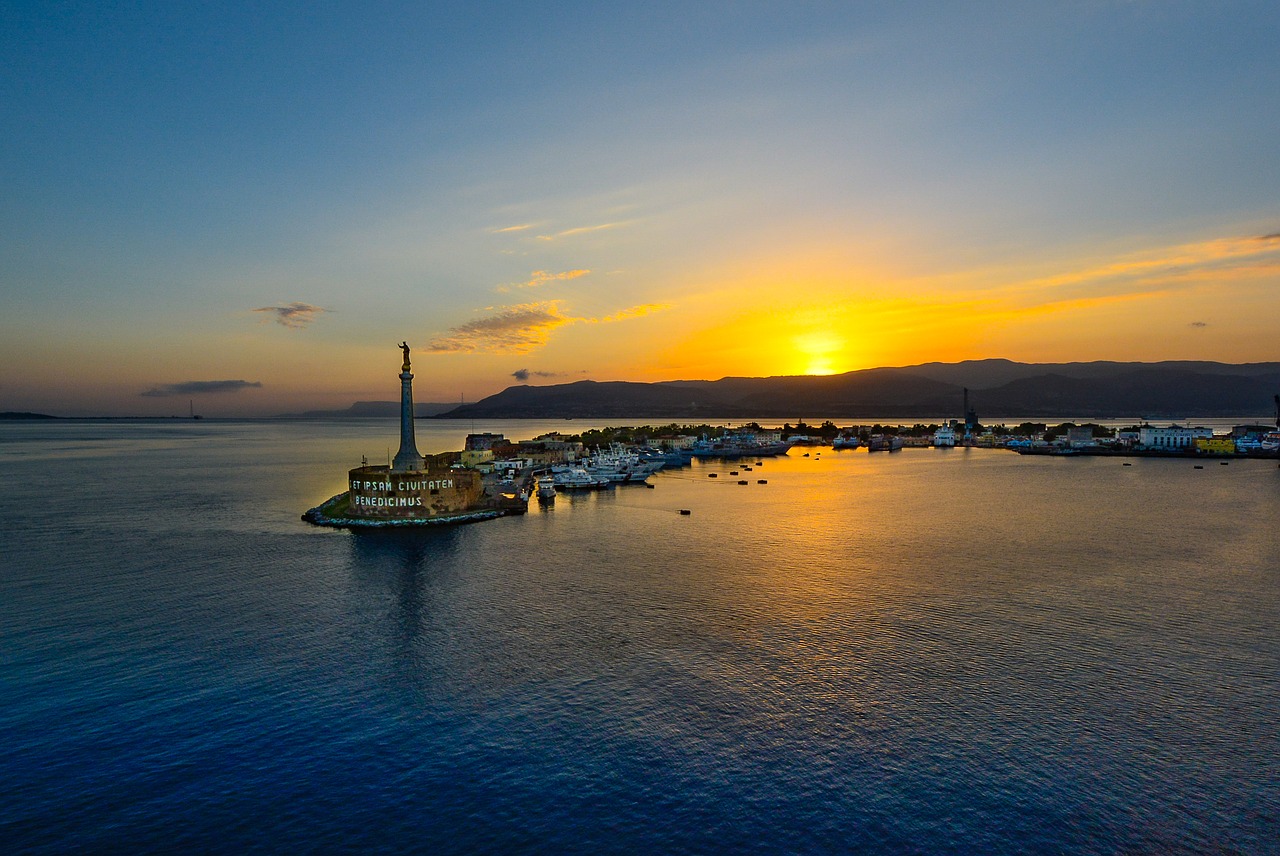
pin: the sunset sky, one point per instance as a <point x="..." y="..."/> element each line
<point x="251" y="205"/>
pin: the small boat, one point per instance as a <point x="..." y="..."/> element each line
<point x="546" y="490"/>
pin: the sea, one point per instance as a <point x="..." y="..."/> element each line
<point x="936" y="651"/>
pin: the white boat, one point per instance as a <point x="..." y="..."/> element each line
<point x="846" y="440"/>
<point x="618" y="464"/>
<point x="944" y="437"/>
<point x="546" y="490"/>
<point x="576" y="478"/>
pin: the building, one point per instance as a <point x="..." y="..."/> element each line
<point x="1172" y="438"/>
<point x="1079" y="436"/>
<point x="1215" y="445"/>
<point x="480" y="442"/>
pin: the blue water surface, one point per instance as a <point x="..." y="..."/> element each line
<point x="930" y="651"/>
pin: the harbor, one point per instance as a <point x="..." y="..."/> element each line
<point x="493" y="476"/>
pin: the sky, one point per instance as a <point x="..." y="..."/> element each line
<point x="245" y="208"/>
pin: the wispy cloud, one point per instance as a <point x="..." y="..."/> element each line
<point x="200" y="387"/>
<point x="520" y="228"/>
<point x="509" y="330"/>
<point x="582" y="230"/>
<point x="1235" y="256"/>
<point x="523" y="375"/>
<point x="293" y="315"/>
<point x="521" y="329"/>
<point x="632" y="312"/>
<point x="541" y="277"/>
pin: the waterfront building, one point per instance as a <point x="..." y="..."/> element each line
<point x="1080" y="436"/>
<point x="1172" y="438"/>
<point x="550" y="449"/>
<point x="1215" y="445"/>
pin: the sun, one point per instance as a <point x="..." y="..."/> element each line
<point x="816" y="351"/>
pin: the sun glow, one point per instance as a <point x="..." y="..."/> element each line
<point x="816" y="351"/>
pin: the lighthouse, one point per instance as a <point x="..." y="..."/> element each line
<point x="408" y="458"/>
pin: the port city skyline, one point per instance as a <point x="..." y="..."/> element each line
<point x="622" y="195"/>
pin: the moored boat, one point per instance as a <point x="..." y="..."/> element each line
<point x="738" y="444"/>
<point x="846" y="440"/>
<point x="576" y="478"/>
<point x="884" y="443"/>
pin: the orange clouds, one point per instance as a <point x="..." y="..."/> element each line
<point x="521" y="329"/>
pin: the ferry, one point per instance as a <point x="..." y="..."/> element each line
<point x="846" y="440"/>
<point x="944" y="437"/>
<point x="736" y="445"/>
<point x="884" y="443"/>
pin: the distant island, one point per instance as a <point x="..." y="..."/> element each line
<point x="9" y="414"/>
<point x="997" y="388"/>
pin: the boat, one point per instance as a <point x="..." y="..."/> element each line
<point x="546" y="490"/>
<point x="884" y="443"/>
<point x="576" y="478"/>
<point x="944" y="437"/>
<point x="846" y="440"/>
<point x="618" y="464"/>
<point x="736" y="444"/>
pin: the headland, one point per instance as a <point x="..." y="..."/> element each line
<point x="416" y="490"/>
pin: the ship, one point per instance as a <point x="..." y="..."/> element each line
<point x="738" y="444"/>
<point x="846" y="440"/>
<point x="944" y="437"/>
<point x="576" y="478"/>
<point x="884" y="443"/>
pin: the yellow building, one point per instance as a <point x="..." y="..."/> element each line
<point x="1215" y="445"/>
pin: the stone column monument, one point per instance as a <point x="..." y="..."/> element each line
<point x="407" y="459"/>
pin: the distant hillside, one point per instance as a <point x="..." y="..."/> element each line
<point x="9" y="414"/>
<point x="998" y="388"/>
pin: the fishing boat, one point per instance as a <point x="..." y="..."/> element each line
<point x="618" y="464"/>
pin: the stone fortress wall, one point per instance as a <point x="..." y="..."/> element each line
<point x="380" y="493"/>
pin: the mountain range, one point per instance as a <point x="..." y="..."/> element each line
<point x="997" y="388"/>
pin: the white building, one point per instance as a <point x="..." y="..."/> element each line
<point x="1172" y="437"/>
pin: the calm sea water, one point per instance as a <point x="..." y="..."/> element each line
<point x="934" y="651"/>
